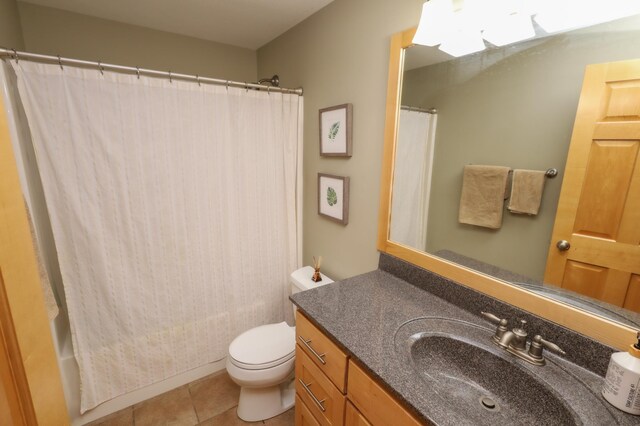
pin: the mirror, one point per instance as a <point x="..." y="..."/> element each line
<point x="513" y="106"/>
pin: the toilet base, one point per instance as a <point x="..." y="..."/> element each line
<point x="263" y="403"/>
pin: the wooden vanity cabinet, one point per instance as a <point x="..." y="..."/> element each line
<point x="332" y="390"/>
<point x="318" y="393"/>
<point x="353" y="417"/>
<point x="325" y="354"/>
<point x="375" y="404"/>
<point x="303" y="416"/>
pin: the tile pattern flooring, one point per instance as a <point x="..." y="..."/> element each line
<point x="210" y="401"/>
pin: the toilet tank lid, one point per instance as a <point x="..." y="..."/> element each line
<point x="301" y="278"/>
<point x="264" y="344"/>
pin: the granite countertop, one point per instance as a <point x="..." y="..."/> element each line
<point x="363" y="313"/>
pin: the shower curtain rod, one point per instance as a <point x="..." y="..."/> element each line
<point x="416" y="109"/>
<point x="17" y="55"/>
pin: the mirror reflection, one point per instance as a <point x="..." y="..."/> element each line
<point x="511" y="109"/>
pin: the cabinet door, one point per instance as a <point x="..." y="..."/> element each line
<point x="379" y="407"/>
<point x="303" y="415"/>
<point x="319" y="394"/>
<point x="325" y="354"/>
<point x="353" y="417"/>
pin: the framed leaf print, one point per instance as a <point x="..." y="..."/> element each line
<point x="335" y="131"/>
<point x="333" y="197"/>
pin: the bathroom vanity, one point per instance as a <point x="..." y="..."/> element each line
<point x="403" y="346"/>
<point x="332" y="389"/>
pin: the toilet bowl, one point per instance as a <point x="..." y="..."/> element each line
<point x="262" y="361"/>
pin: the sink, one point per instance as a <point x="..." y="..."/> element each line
<point x="488" y="385"/>
<point x="458" y="368"/>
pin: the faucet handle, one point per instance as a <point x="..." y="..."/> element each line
<point x="501" y="322"/>
<point x="494" y="319"/>
<point x="551" y="346"/>
<point x="538" y="343"/>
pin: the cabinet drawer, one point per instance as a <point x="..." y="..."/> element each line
<point x="321" y="397"/>
<point x="303" y="415"/>
<point x="352" y="417"/>
<point x="379" y="407"/>
<point x="322" y="351"/>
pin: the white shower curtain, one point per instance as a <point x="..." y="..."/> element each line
<point x="174" y="212"/>
<point x="412" y="178"/>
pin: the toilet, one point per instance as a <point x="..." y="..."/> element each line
<point x="262" y="361"/>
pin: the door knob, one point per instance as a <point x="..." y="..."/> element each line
<point x="563" y="245"/>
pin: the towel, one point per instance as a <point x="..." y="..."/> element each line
<point x="45" y="283"/>
<point x="482" y="199"/>
<point x="526" y="191"/>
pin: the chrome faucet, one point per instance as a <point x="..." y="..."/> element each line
<point x="515" y="341"/>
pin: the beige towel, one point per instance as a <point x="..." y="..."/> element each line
<point x="482" y="199"/>
<point x="49" y="299"/>
<point x="526" y="191"/>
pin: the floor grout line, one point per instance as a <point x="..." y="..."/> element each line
<point x="192" y="404"/>
<point x="198" y="415"/>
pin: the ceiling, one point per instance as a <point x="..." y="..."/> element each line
<point x="244" y="23"/>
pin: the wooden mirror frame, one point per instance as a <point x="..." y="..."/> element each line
<point x="598" y="328"/>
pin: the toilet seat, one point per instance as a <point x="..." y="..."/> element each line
<point x="261" y="366"/>
<point x="263" y="347"/>
<point x="262" y="362"/>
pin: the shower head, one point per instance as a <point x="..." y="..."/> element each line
<point x="273" y="81"/>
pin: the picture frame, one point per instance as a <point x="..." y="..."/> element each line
<point x="335" y="125"/>
<point x="333" y="197"/>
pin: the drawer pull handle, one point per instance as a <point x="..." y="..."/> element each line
<point x="315" y="399"/>
<point x="317" y="355"/>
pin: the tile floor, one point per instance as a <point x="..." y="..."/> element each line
<point x="210" y="401"/>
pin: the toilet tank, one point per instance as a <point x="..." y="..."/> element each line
<point x="301" y="281"/>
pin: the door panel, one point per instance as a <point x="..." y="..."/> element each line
<point x="630" y="224"/>
<point x="607" y="179"/>
<point x="621" y="102"/>
<point x="599" y="206"/>
<point x="586" y="279"/>
<point x="632" y="300"/>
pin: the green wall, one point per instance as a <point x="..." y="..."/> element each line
<point x="340" y="55"/>
<point x="58" y="32"/>
<point x="10" y="29"/>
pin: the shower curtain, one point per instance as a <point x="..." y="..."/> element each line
<point x="174" y="212"/>
<point x="412" y="178"/>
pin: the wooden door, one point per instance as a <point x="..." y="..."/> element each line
<point x="599" y="207"/>
<point x="31" y="388"/>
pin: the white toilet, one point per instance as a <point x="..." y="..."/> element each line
<point x="261" y="361"/>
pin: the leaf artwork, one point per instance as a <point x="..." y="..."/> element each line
<point x="333" y="131"/>
<point x="332" y="197"/>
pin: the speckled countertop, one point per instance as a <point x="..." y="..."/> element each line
<point x="362" y="315"/>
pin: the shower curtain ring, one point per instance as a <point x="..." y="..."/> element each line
<point x="100" y="68"/>
<point x="227" y="85"/>
<point x="170" y="80"/>
<point x="269" y="90"/>
<point x="198" y="79"/>
<point x="15" y="55"/>
<point x="60" y="62"/>
<point x="138" y="72"/>
<point x="246" y="87"/>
